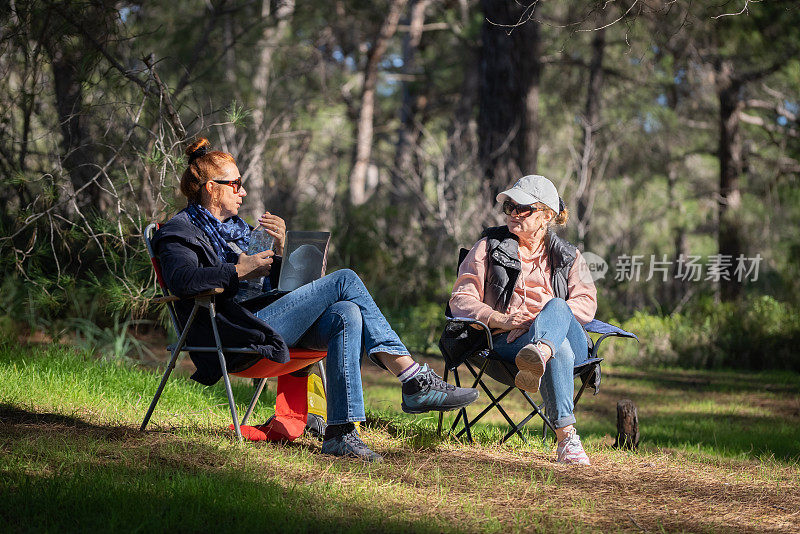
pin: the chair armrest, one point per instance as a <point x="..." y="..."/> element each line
<point x="596" y="345"/>
<point x="172" y="298"/>
<point x="466" y="320"/>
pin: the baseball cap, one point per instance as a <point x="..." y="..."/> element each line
<point x="532" y="189"/>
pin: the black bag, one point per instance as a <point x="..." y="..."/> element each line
<point x="459" y="341"/>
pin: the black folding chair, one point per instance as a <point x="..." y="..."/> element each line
<point x="481" y="360"/>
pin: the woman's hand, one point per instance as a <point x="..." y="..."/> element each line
<point x="254" y="266"/>
<point x="519" y="320"/>
<point x="276" y="227"/>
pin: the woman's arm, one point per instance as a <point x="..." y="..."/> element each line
<point x="184" y="275"/>
<point x="466" y="299"/>
<point x="582" y="291"/>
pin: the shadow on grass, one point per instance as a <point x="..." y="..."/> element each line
<point x="60" y="473"/>
<point x="713" y="381"/>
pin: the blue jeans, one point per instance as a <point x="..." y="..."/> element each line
<point x="557" y="327"/>
<point x="336" y="313"/>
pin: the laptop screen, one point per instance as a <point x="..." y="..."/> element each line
<point x="305" y="257"/>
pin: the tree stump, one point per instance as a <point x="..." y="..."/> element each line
<point x="627" y="425"/>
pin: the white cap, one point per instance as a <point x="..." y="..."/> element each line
<point x="532" y="189"/>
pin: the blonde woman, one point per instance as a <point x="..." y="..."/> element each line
<point x="533" y="289"/>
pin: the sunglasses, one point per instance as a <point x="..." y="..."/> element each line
<point x="510" y="207"/>
<point x="235" y="184"/>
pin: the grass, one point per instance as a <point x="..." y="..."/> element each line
<point x="719" y="453"/>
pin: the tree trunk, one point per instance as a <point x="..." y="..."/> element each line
<point x="364" y="127"/>
<point x="405" y="178"/>
<point x="677" y="210"/>
<point x="730" y="169"/>
<point x="591" y="124"/>
<point x="78" y="157"/>
<point x="255" y="175"/>
<point x="462" y="159"/>
<point x="510" y="70"/>
<point x="229" y="64"/>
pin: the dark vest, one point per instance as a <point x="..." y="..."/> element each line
<point x="459" y="341"/>
<point x="504" y="266"/>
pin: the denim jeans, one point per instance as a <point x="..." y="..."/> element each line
<point x="557" y="327"/>
<point x="336" y="313"/>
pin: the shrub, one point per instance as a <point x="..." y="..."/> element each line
<point x="756" y="333"/>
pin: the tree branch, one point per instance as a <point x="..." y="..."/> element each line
<point x="174" y="118"/>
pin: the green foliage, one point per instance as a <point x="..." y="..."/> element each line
<point x="237" y="114"/>
<point x="112" y="342"/>
<point x="758" y="333"/>
<point x="419" y="326"/>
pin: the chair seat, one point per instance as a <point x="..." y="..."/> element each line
<point x="504" y="371"/>
<point x="300" y="358"/>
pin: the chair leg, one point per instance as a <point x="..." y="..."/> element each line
<point x="441" y="414"/>
<point x="538" y="411"/>
<point x="493" y="404"/>
<point x="259" y="388"/>
<point x="585" y="382"/>
<point x="517" y="429"/>
<point x="170" y="366"/>
<point x="323" y="377"/>
<point x="224" y="368"/>
<point x="463" y="411"/>
<point x="160" y="389"/>
<point x="494" y="400"/>
<point x="544" y="430"/>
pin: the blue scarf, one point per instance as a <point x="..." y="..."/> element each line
<point x="220" y="233"/>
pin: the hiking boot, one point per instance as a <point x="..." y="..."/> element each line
<point x="570" y="450"/>
<point x="315" y="426"/>
<point x="530" y="361"/>
<point x="344" y="440"/>
<point x="427" y="392"/>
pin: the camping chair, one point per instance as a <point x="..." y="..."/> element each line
<point x="291" y="408"/>
<point x="481" y="360"/>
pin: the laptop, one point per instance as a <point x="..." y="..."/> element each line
<point x="305" y="258"/>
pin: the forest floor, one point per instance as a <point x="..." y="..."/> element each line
<point x="719" y="452"/>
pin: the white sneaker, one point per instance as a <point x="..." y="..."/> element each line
<point x="570" y="450"/>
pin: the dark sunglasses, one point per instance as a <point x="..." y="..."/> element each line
<point x="235" y="184"/>
<point x="510" y="207"/>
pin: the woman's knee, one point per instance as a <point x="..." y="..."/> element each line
<point x="345" y="275"/>
<point x="347" y="313"/>
<point x="557" y="305"/>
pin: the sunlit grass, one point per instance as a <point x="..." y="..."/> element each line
<point x="73" y="458"/>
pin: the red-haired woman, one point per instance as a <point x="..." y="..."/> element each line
<point x="203" y="246"/>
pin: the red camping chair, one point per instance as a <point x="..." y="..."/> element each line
<point x="291" y="404"/>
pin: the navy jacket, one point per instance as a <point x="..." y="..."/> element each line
<point x="190" y="266"/>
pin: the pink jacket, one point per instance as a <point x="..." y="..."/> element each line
<point x="533" y="288"/>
